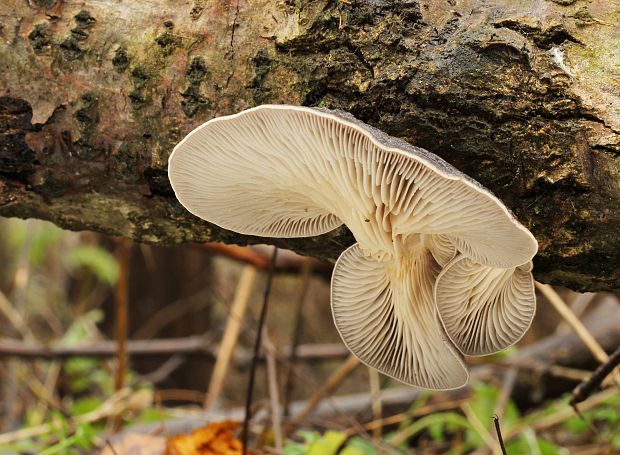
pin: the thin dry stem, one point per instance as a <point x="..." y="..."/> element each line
<point x="334" y="380"/>
<point x="306" y="272"/>
<point x="274" y="400"/>
<point x="573" y="321"/>
<point x="257" y="345"/>
<point x="546" y="421"/>
<point x="577" y="305"/>
<point x="401" y="417"/>
<point x="480" y="428"/>
<point x="14" y="317"/>
<point x="231" y="334"/>
<point x="375" y="397"/>
<point x="510" y="378"/>
<point x="121" y="312"/>
<point x="46" y="394"/>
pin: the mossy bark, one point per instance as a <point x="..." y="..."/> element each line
<point x="523" y="96"/>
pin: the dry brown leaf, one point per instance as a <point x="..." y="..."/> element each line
<point x="214" y="439"/>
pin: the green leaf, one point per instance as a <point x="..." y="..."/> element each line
<point x="40" y="235"/>
<point x="328" y="444"/>
<point x="576" y="425"/>
<point x="85" y="405"/>
<point x="547" y="447"/>
<point x="99" y="261"/>
<point x="444" y="418"/>
<point x="435" y="429"/>
<point x="483" y="403"/>
<point x="293" y="448"/>
<point x="359" y="446"/>
<point x="309" y="436"/>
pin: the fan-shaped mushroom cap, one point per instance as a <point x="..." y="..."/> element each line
<point x="485" y="309"/>
<point x="287" y="171"/>
<point x="387" y="318"/>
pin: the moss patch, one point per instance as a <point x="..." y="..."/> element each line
<point x="138" y="96"/>
<point x="193" y="100"/>
<point x="262" y="65"/>
<point x="88" y="114"/>
<point x="120" y="61"/>
<point x="40" y="38"/>
<point x="71" y="48"/>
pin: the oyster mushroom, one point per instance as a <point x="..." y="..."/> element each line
<point x="288" y="171"/>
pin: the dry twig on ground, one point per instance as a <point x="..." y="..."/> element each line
<point x="257" y="346"/>
<point x="231" y="334"/>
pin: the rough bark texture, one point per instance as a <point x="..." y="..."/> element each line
<point x="524" y="96"/>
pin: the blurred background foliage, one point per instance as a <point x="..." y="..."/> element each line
<point x="58" y="291"/>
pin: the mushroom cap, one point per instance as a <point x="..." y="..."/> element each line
<point x="290" y="171"/>
<point x="485" y="309"/>
<point x="386" y="316"/>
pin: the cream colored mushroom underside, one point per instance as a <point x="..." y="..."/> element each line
<point x="386" y="316"/>
<point x="483" y="309"/>
<point x="290" y="174"/>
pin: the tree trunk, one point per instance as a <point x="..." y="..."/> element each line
<point x="523" y="96"/>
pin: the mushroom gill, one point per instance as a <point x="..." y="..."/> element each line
<point x="288" y="171"/>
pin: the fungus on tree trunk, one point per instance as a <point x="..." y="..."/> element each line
<point x="441" y="267"/>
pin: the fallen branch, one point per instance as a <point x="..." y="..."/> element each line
<point x="199" y="345"/>
<point x="287" y="262"/>
<point x="585" y="388"/>
<point x="31" y="351"/>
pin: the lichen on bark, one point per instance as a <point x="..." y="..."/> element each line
<point x="524" y="97"/>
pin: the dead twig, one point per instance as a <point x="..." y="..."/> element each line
<point x="542" y="420"/>
<point x="192" y="396"/>
<point x="479" y="427"/>
<point x="258" y="256"/>
<point x="257" y="345"/>
<point x="14" y="317"/>
<point x="306" y="271"/>
<point x="401" y="417"/>
<point x="109" y="444"/>
<point x="375" y="397"/>
<point x="108" y="348"/>
<point x="578" y="304"/>
<point x="199" y="344"/>
<point x="237" y="253"/>
<point x="498" y="430"/>
<point x="586" y="388"/>
<point x="164" y="370"/>
<point x="573" y="321"/>
<point x="173" y="311"/>
<point x="334" y="380"/>
<point x="274" y="400"/>
<point x="122" y="254"/>
<point x="231" y="334"/>
<point x="510" y="378"/>
<point x="120" y="304"/>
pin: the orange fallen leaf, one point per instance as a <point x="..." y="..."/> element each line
<point x="217" y="438"/>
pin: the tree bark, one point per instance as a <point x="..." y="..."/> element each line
<point x="523" y="96"/>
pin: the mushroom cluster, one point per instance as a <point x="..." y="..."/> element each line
<point x="441" y="268"/>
